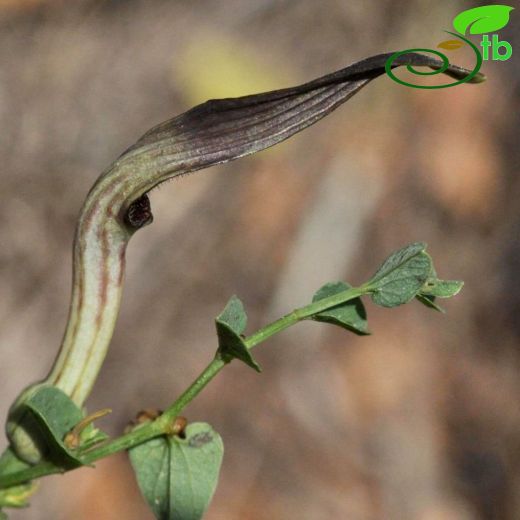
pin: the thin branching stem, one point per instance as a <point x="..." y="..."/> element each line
<point x="160" y="426"/>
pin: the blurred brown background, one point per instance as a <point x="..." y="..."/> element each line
<point x="421" y="420"/>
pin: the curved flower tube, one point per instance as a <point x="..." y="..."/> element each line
<point x="117" y="205"/>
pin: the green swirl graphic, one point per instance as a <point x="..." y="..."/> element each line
<point x="445" y="65"/>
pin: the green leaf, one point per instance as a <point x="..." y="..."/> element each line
<point x="3" y="516"/>
<point x="401" y="276"/>
<point x="231" y="323"/>
<point x="429" y="301"/>
<point x="234" y="315"/>
<point x="56" y="414"/>
<point x="11" y="463"/>
<point x="178" y="476"/>
<point x="397" y="259"/>
<point x="484" y="19"/>
<point x="350" y="315"/>
<point x="435" y="288"/>
<point x="17" y="496"/>
<point x="442" y="288"/>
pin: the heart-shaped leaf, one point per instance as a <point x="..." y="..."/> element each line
<point x="350" y="315"/>
<point x="484" y="19"/>
<point x="178" y="477"/>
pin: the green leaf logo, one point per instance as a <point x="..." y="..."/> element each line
<point x="480" y="20"/>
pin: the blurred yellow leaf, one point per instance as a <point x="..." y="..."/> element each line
<point x="216" y="66"/>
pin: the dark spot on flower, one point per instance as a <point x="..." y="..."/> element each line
<point x="139" y="213"/>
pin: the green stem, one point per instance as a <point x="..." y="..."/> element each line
<point x="161" y="425"/>
<point x="303" y="313"/>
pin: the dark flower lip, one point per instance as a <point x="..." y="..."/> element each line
<point x="221" y="130"/>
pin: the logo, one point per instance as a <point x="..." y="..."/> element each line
<point x="479" y="20"/>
